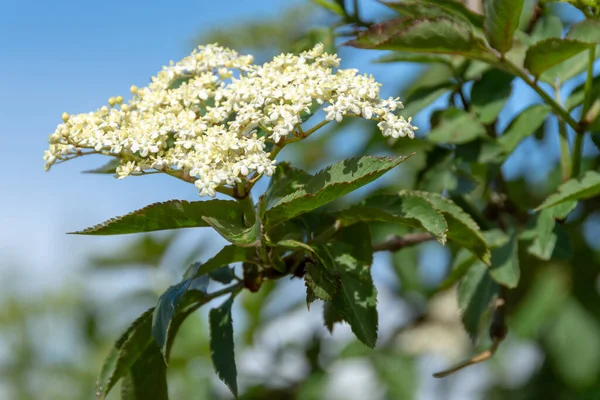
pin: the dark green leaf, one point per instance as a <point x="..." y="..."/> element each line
<point x="235" y="231"/>
<point x="130" y="346"/>
<point x="428" y="35"/>
<point x="331" y="316"/>
<point x="456" y="126"/>
<point x="463" y="260"/>
<point x="404" y="56"/>
<point x="505" y="263"/>
<point x="404" y="208"/>
<point x="221" y="345"/>
<point x="462" y="229"/>
<point x="587" y="31"/>
<point x="490" y="94"/>
<point x="501" y="22"/>
<point x="108" y="168"/>
<point x="544" y="236"/>
<point x="420" y="98"/>
<point x="173" y="214"/>
<point x="284" y="181"/>
<point x="223" y="275"/>
<point x="227" y="255"/>
<point x="576" y="97"/>
<point x="168" y="305"/>
<point x="550" y="52"/>
<point x="574" y="189"/>
<point x="331" y="183"/>
<point x="147" y="378"/>
<point x="356" y="299"/>
<point x="476" y="293"/>
<point x="436" y="8"/>
<point x="321" y="281"/>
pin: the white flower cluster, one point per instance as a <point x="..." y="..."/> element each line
<point x="209" y="116"/>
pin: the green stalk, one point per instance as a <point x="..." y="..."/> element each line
<point x="249" y="210"/>
<point x="565" y="151"/>
<point x="587" y="103"/>
<point x="559" y="110"/>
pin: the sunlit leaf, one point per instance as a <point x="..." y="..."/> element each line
<point x="550" y="52"/>
<point x="501" y="22"/>
<point x="574" y="189"/>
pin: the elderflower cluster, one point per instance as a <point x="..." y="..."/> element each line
<point x="208" y="118"/>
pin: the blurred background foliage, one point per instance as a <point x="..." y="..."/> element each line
<point x="52" y="345"/>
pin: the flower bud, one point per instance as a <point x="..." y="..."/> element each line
<point x="119" y="99"/>
<point x="133" y="89"/>
<point x="112" y="101"/>
<point x="65" y="116"/>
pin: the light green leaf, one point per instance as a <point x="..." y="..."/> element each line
<point x="544" y="236"/>
<point x="404" y="208"/>
<point x="490" y="94"/>
<point x="130" y="346"/>
<point x="147" y="377"/>
<point x="456" y="126"/>
<point x="573" y="344"/>
<point x="235" y="231"/>
<point x="568" y="69"/>
<point x="576" y="97"/>
<point x="587" y="31"/>
<point x="420" y="98"/>
<point x="222" y="345"/>
<point x="574" y="189"/>
<point x="331" y="183"/>
<point x="501" y="21"/>
<point x="108" y="168"/>
<point x="436" y="8"/>
<point x="476" y="294"/>
<point x="505" y="263"/>
<point x="461" y="228"/>
<point x="548" y="26"/>
<point x="522" y="126"/>
<point x="550" y="52"/>
<point x="173" y="214"/>
<point x="463" y="260"/>
<point x="438" y="35"/>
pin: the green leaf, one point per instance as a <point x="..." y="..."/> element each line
<point x="548" y="26"/>
<point x="130" y="346"/>
<point x="505" y="263"/>
<point x="331" y="183"/>
<point x="168" y="305"/>
<point x="550" y="52"/>
<point x="461" y="263"/>
<point x="573" y="344"/>
<point x="456" y="126"/>
<point x="490" y="94"/>
<point x="462" y="229"/>
<point x="420" y="98"/>
<point x="574" y="189"/>
<point x="356" y="299"/>
<point x="227" y="255"/>
<point x="404" y="56"/>
<point x="587" y="31"/>
<point x="108" y="168"/>
<point x="523" y="125"/>
<point x="321" y="281"/>
<point x="221" y="345"/>
<point x="436" y="8"/>
<point x="567" y="69"/>
<point x="331" y="6"/>
<point x="476" y="293"/>
<point x="147" y="378"/>
<point x="235" y="231"/>
<point x="427" y="35"/>
<point x="501" y="22"/>
<point x="545" y="236"/>
<point x="577" y="95"/>
<point x="404" y="208"/>
<point x="331" y="316"/>
<point x="222" y="275"/>
<point x="285" y="180"/>
<point x="173" y="214"/>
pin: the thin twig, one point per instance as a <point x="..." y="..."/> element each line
<point x="395" y="243"/>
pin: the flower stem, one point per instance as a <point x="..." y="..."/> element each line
<point x="249" y="210"/>
<point x="565" y="151"/>
<point x="587" y="103"/>
<point x="559" y="110"/>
